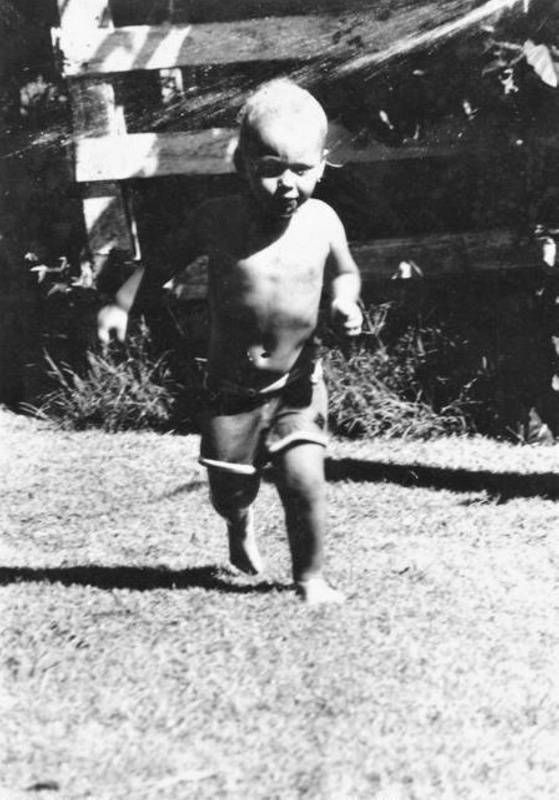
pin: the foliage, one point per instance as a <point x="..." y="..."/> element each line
<point x="377" y="388"/>
<point x="363" y="405"/>
<point x="125" y="389"/>
<point x="477" y="361"/>
<point x="417" y="373"/>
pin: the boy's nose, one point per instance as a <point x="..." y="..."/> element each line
<point x="287" y="180"/>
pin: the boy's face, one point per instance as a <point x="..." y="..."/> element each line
<point x="283" y="165"/>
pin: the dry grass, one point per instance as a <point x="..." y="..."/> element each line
<point x="135" y="665"/>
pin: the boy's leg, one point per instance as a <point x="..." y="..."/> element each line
<point x="232" y="496"/>
<point x="302" y="488"/>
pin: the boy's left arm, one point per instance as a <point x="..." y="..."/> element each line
<point x="346" y="282"/>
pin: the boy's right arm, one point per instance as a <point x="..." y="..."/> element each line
<point x="113" y="317"/>
<point x="179" y="248"/>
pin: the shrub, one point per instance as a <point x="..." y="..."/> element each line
<point x="423" y="373"/>
<point x="122" y="388"/>
<point x="405" y="378"/>
<point x="362" y="404"/>
<point x="458" y="362"/>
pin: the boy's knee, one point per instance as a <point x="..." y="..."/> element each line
<point x="302" y="482"/>
<point x="230" y="492"/>
<point x="301" y="469"/>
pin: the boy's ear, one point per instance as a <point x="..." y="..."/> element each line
<point x="323" y="164"/>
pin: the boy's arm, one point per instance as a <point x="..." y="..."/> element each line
<point x="113" y="317"/>
<point x="177" y="249"/>
<point x="346" y="281"/>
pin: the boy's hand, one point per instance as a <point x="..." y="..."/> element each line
<point x="348" y="315"/>
<point x="112" y="319"/>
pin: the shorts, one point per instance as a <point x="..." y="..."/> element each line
<point x="241" y="433"/>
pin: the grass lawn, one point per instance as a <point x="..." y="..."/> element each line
<point x="135" y="664"/>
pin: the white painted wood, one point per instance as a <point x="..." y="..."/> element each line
<point x="79" y="16"/>
<point x="147" y="155"/>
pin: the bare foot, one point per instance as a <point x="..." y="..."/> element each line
<point x="243" y="550"/>
<point x="316" y="591"/>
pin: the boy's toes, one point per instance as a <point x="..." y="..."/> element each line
<point x="246" y="558"/>
<point x="316" y="591"/>
<point x="243" y="550"/>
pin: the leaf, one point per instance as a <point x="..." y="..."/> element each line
<point x="539" y="58"/>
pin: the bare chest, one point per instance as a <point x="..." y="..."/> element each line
<point x="289" y="269"/>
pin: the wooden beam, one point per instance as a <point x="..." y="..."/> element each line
<point x="107" y="212"/>
<point x="140" y="12"/>
<point x="95" y="112"/>
<point x="109" y="223"/>
<point x="149" y="155"/>
<point x="443" y="254"/>
<point x="345" y="36"/>
<point x="210" y="152"/>
<point x="79" y="16"/>
<point x="436" y="255"/>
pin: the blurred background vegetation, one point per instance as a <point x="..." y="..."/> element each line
<point x="469" y="353"/>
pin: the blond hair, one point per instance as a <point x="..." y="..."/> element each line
<point x="283" y="99"/>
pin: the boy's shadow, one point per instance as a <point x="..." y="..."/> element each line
<point x="141" y="579"/>
<point x="500" y="486"/>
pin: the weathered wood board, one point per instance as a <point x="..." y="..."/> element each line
<point x="339" y="37"/>
<point x="210" y="152"/>
<point x="410" y="260"/>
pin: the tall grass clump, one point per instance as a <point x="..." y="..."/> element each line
<point x="121" y="388"/>
<point x="363" y="405"/>
<point x="380" y="389"/>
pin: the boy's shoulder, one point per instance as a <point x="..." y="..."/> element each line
<point x="320" y="209"/>
<point x="321" y="217"/>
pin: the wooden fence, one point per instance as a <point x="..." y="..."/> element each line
<point x="332" y="34"/>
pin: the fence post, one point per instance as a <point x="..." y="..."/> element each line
<point x="107" y="211"/>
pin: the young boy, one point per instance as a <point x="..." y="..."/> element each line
<point x="268" y="250"/>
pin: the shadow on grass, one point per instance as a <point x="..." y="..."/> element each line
<point x="185" y="488"/>
<point x="501" y="486"/>
<point x="142" y="579"/>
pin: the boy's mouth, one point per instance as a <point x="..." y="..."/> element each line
<point x="285" y="208"/>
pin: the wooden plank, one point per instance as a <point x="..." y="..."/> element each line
<point x="430" y="34"/>
<point x="444" y="254"/>
<point x="147" y="155"/>
<point x="95" y="112"/>
<point x="436" y="255"/>
<point x="107" y="211"/>
<point x="210" y="152"/>
<point x="303" y="37"/>
<point x="140" y="12"/>
<point x="84" y="15"/>
<point x="108" y="222"/>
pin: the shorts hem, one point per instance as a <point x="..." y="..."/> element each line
<point x="226" y="466"/>
<point x="298" y="436"/>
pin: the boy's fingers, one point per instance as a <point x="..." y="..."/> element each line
<point x="354" y="330"/>
<point x="354" y="322"/>
<point x="103" y="335"/>
<point x="111" y="320"/>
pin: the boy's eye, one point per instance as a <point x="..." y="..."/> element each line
<point x="271" y="168"/>
<point x="268" y="169"/>
<point x="300" y="170"/>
